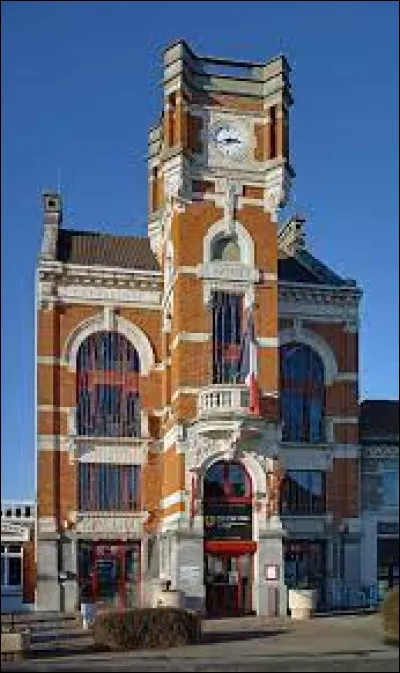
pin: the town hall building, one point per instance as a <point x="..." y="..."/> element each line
<point x="197" y="389"/>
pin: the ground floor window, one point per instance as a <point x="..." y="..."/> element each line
<point x="11" y="566"/>
<point x="387" y="563"/>
<point x="305" y="565"/>
<point x="109" y="572"/>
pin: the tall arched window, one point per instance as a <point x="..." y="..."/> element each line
<point x="107" y="387"/>
<point x="302" y="394"/>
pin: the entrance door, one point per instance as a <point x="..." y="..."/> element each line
<point x="109" y="573"/>
<point x="228" y="585"/>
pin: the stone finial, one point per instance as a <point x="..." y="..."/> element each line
<point x="52" y="218"/>
<point x="291" y="237"/>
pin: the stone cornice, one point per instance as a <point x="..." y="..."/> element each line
<point x="75" y="283"/>
<point x="343" y="293"/>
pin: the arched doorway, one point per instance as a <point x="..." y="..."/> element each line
<point x="228" y="539"/>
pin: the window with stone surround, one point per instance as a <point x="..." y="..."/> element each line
<point x="380" y="483"/>
<point x="108" y="487"/>
<point x="11" y="566"/>
<point x="108" y="387"/>
<point x="303" y="493"/>
<point x="227" y="335"/>
<point x="225" y="249"/>
<point x="302" y="388"/>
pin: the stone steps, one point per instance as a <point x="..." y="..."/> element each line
<point x="37" y="621"/>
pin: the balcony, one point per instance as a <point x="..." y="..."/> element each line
<point x="223" y="400"/>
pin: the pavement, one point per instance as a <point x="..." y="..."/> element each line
<point x="327" y="643"/>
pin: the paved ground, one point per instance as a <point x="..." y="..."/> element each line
<point x="328" y="644"/>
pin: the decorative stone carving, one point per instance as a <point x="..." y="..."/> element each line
<point x="201" y="448"/>
<point x="49" y="242"/>
<point x="380" y="452"/>
<point x="277" y="186"/>
<point x="229" y="271"/>
<point x="98" y="524"/>
<point x="117" y="295"/>
<point x="274" y="480"/>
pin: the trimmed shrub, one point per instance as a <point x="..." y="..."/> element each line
<point x="145" y="628"/>
<point x="390" y="612"/>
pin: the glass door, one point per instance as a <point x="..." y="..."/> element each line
<point x="228" y="584"/>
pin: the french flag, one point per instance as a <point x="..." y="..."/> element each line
<point x="248" y="364"/>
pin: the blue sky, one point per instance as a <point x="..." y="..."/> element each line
<point x="80" y="87"/>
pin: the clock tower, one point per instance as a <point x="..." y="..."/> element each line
<point x="219" y="170"/>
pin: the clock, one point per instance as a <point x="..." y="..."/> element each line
<point x="229" y="139"/>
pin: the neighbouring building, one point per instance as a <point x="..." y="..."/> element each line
<point x="163" y="452"/>
<point x="379" y="439"/>
<point x="18" y="573"/>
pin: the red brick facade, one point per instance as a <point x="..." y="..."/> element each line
<point x="176" y="329"/>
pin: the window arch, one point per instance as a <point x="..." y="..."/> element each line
<point x="225" y="249"/>
<point x="302" y="394"/>
<point x="227" y="502"/>
<point x="107" y="386"/>
<point x="226" y="480"/>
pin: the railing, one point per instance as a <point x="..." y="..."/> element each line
<point x="341" y="595"/>
<point x="223" y="399"/>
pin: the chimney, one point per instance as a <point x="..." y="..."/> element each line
<point x="52" y="218"/>
<point x="291" y="238"/>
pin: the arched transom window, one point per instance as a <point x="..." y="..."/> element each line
<point x="107" y="387"/>
<point x="302" y="394"/>
<point x="225" y="249"/>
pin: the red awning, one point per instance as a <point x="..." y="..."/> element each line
<point x="232" y="547"/>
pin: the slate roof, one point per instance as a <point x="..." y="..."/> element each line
<point x="98" y="249"/>
<point x="134" y="252"/>
<point x="305" y="268"/>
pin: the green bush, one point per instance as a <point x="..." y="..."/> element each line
<point x="145" y="628"/>
<point x="390" y="612"/>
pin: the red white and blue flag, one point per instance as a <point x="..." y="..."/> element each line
<point x="248" y="362"/>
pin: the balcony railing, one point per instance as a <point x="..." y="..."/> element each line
<point x="223" y="399"/>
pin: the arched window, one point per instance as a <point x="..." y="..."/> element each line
<point x="227" y="502"/>
<point x="107" y="387"/>
<point x="226" y="480"/>
<point x="302" y="394"/>
<point x="225" y="249"/>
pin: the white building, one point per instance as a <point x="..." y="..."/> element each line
<point x="379" y="440"/>
<point x="17" y="556"/>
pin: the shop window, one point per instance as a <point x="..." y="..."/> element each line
<point x="11" y="566"/>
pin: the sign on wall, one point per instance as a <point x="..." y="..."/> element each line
<point x="190" y="575"/>
<point x="388" y="528"/>
<point x="228" y="521"/>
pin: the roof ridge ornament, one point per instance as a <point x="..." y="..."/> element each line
<point x="291" y="237"/>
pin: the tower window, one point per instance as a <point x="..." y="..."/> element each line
<point x="225" y="249"/>
<point x="227" y="330"/>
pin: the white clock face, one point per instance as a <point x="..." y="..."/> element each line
<point x="229" y="140"/>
